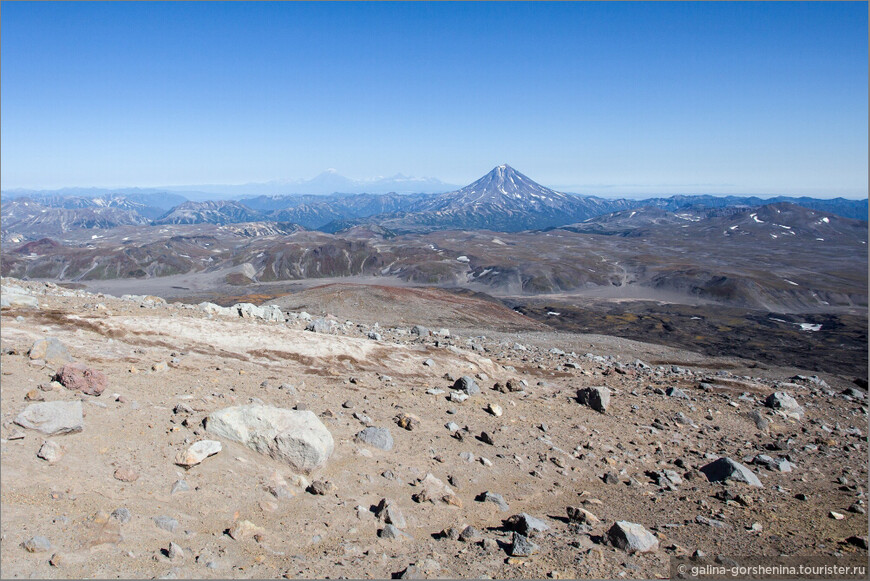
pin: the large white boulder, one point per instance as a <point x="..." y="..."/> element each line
<point x="53" y="417"/>
<point x="213" y="309"/>
<point x="298" y="438"/>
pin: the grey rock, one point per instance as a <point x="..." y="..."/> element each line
<point x="122" y="515"/>
<point x="494" y="498"/>
<point x="676" y="392"/>
<point x="321" y="487"/>
<point x="272" y="313"/>
<point x="8" y="299"/>
<point x="420" y="331"/>
<point x="50" y="451"/>
<point x="374" y="336"/>
<point x="392" y="532"/>
<point x="249" y="311"/>
<point x="179" y="486"/>
<point x="37" y="544"/>
<point x="632" y="537"/>
<point x="521" y="546"/>
<point x="167" y="523"/>
<point x="710" y="522"/>
<point x="727" y="469"/>
<point x="174" y="552"/>
<point x="51" y="350"/>
<point x="467" y="385"/>
<point x="598" y="398"/>
<point x="526" y="524"/>
<point x="759" y="420"/>
<point x="322" y="326"/>
<point x="780" y="400"/>
<point x="198" y="452"/>
<point x="390" y="513"/>
<point x="469" y="535"/>
<point x="51" y="418"/>
<point x="298" y="438"/>
<point x="377" y="437"/>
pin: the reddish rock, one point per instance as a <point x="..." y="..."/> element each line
<point x="80" y="377"/>
<point x="125" y="474"/>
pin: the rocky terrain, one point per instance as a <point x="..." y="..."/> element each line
<point x="442" y="436"/>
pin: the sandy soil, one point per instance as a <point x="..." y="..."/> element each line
<point x="548" y="452"/>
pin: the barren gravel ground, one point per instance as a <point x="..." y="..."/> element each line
<point x="548" y="452"/>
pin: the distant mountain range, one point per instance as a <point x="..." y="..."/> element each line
<point x="502" y="200"/>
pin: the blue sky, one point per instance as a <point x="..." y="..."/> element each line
<point x="605" y="98"/>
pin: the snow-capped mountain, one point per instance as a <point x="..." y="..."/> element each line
<point x="220" y="212"/>
<point x="33" y="220"/>
<point x="505" y="200"/>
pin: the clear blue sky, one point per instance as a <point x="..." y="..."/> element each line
<point x="609" y="98"/>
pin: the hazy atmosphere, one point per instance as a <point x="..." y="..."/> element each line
<point x="613" y="99"/>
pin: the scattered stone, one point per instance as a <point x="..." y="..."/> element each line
<point x="421" y="570"/>
<point x="244" y="529"/>
<point x="57" y="560"/>
<point x="470" y="535"/>
<point x="392" y="532"/>
<point x="52" y="418"/>
<point x="598" y="398"/>
<point x="434" y="490"/>
<point x="50" y="451"/>
<point x="182" y="408"/>
<point x="836" y="515"/>
<point x="179" y="486"/>
<point x="167" y="523"/>
<point x="80" y="377"/>
<point x="486" y="438"/>
<point x="197" y="453"/>
<point x="759" y="420"/>
<point x="856" y="541"/>
<point x="856" y="508"/>
<point x="521" y="546"/>
<point x="378" y="437"/>
<point x="322" y="326"/>
<point x="374" y="336"/>
<point x="50" y="350"/>
<point x="298" y="438"/>
<point x="495" y="410"/>
<point x="703" y="520"/>
<point x="15" y="435"/>
<point x="727" y="469"/>
<point x="122" y="515"/>
<point x="676" y="392"/>
<point x="452" y="426"/>
<point x="458" y="396"/>
<point x="611" y="478"/>
<point x="37" y="544"/>
<point x="429" y="363"/>
<point x="420" y="331"/>
<point x="174" y="552"/>
<point x="494" y="498"/>
<point x="526" y="524"/>
<point x="582" y="516"/>
<point x="467" y="385"/>
<point x="632" y="537"/>
<point x="321" y="487"/>
<point x="407" y="421"/>
<point x="782" y="401"/>
<point x="390" y="513"/>
<point x="126" y="474"/>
